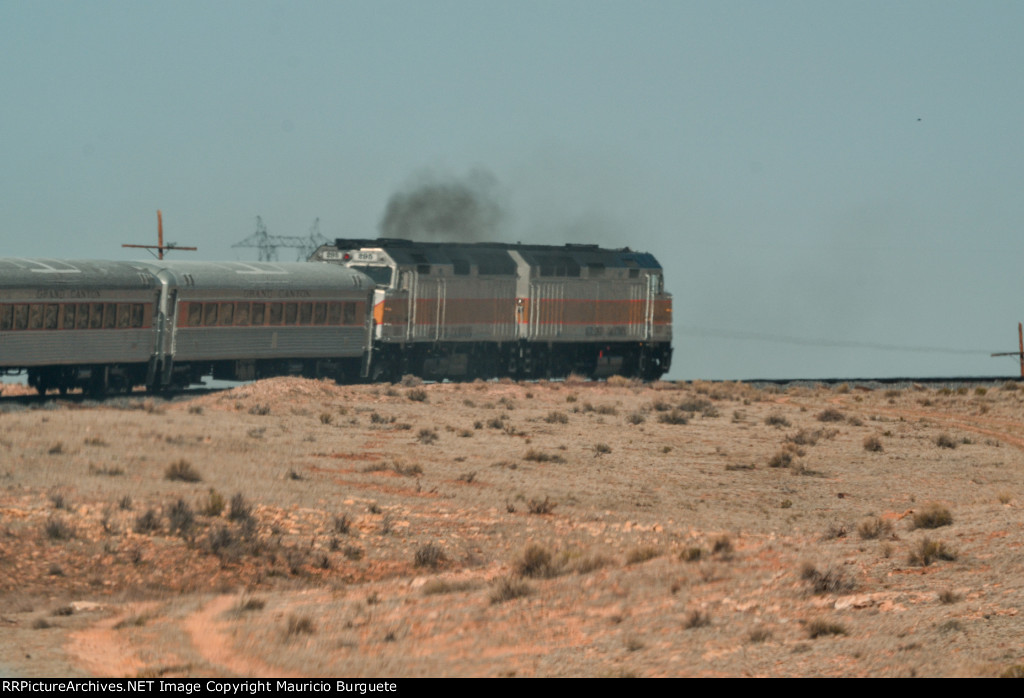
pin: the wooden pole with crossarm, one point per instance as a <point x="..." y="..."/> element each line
<point x="1020" y="352"/>
<point x="160" y="246"/>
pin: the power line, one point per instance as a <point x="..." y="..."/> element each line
<point x="821" y="342"/>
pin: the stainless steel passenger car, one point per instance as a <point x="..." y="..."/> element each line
<point x="249" y="320"/>
<point x="494" y="309"/>
<point x="101" y="325"/>
<point x="88" y="324"/>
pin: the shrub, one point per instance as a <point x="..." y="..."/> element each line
<point x="782" y="459"/>
<point x="261" y="410"/>
<point x="58" y="529"/>
<point x="831" y="581"/>
<point x="722" y="545"/>
<point x="636" y="418"/>
<point x="820" y="628"/>
<point x="536" y="562"/>
<point x="945" y="441"/>
<point x="240" y="510"/>
<point x="537" y="506"/>
<point x="932" y="515"/>
<point x="407" y="470"/>
<point x="692" y="554"/>
<point x="427" y="436"/>
<point x="429" y="555"/>
<point x="542" y="457"/>
<point x="776" y="420"/>
<point x="555" y="417"/>
<point x="342" y="524"/>
<point x="873" y="444"/>
<point x="182" y="471"/>
<point x="642" y="554"/>
<point x="300" y="625"/>
<point x="673" y="417"/>
<point x="411" y="381"/>
<point x="180" y="518"/>
<point x="874" y="527"/>
<point x="602" y="449"/>
<point x="148" y="522"/>
<point x="508" y="589"/>
<point x="928" y="551"/>
<point x="949" y="596"/>
<point x="697" y="619"/>
<point x="326" y="417"/>
<point x="417" y="395"/>
<point x="214" y="504"/>
<point x="831" y="415"/>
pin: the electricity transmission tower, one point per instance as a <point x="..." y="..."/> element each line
<point x="267" y="244"/>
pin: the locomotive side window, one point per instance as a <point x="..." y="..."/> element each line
<point x="20" y="317"/>
<point x="275" y="313"/>
<point x="50" y="316"/>
<point x="319" y="313"/>
<point x="138" y="314"/>
<point x="69" y="317"/>
<point x="82" y="316"/>
<point x="334" y="314"/>
<point x="242" y="314"/>
<point x="6" y="317"/>
<point x="209" y="314"/>
<point x="109" y="316"/>
<point x="35" y="316"/>
<point x="350" y="313"/>
<point x="227" y="314"/>
<point x="257" y="313"/>
<point x="290" y="313"/>
<point x="305" y="313"/>
<point x="124" y="316"/>
<point x="95" y="316"/>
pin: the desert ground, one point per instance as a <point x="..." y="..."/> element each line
<point x="299" y="528"/>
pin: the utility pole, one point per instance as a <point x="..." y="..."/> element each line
<point x="1020" y="352"/>
<point x="160" y="247"/>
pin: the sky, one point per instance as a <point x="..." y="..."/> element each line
<point x="832" y="188"/>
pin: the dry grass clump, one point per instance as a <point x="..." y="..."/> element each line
<point x="781" y="459"/>
<point x="536" y="506"/>
<point x="821" y="628"/>
<point x="300" y="625"/>
<point x="831" y="414"/>
<point x="542" y="457"/>
<point x="697" y="619"/>
<point x="510" y="588"/>
<point x="932" y="515"/>
<point x="417" y="395"/>
<point x="556" y="417"/>
<point x="58" y="529"/>
<point x="635" y="418"/>
<point x="776" y="420"/>
<point x="928" y="551"/>
<point x="872" y="444"/>
<point x="536" y="562"/>
<point x="874" y="527"/>
<point x="182" y="471"/>
<point x="945" y="441"/>
<point x="427" y="436"/>
<point x="831" y="581"/>
<point x="213" y="505"/>
<point x="673" y="417"/>
<point x="948" y="596"/>
<point x="643" y="554"/>
<point x="429" y="555"/>
<point x="444" y="586"/>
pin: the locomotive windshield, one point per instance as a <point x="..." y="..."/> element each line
<point x="380" y="275"/>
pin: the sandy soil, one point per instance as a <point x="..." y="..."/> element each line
<point x="503" y="529"/>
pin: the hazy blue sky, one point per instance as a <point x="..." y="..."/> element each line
<point x="820" y="180"/>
